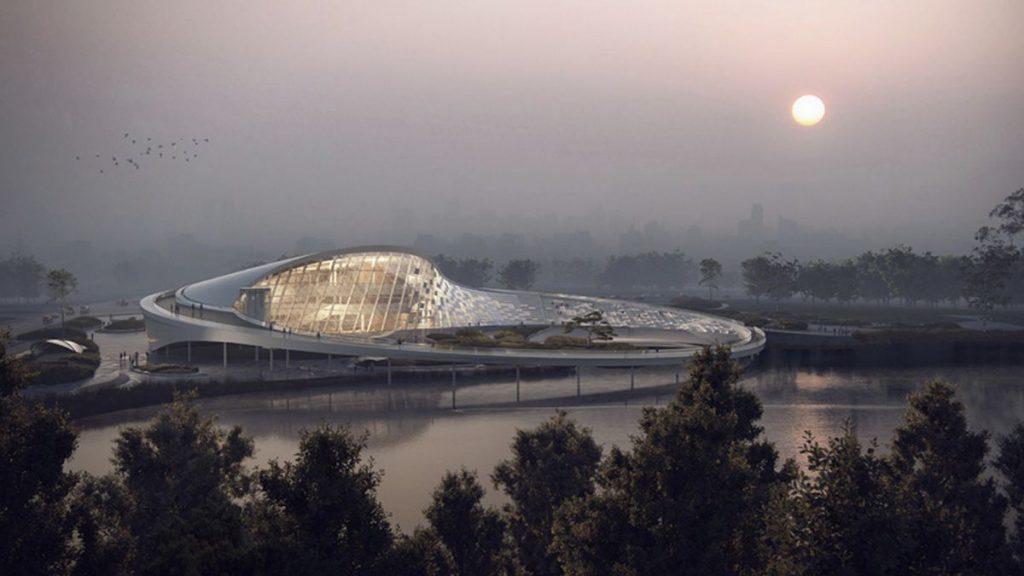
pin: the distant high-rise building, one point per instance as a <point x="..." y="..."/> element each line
<point x="752" y="229"/>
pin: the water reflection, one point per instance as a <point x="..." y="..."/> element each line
<point x="414" y="436"/>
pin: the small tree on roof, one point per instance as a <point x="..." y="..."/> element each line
<point x="594" y="323"/>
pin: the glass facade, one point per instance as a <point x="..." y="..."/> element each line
<point x="368" y="292"/>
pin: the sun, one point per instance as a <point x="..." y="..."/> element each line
<point x="808" y="110"/>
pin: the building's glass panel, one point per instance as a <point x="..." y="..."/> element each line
<point x="350" y="293"/>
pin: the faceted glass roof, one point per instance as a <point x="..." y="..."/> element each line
<point x="382" y="291"/>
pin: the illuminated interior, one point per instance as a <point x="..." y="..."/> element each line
<point x="350" y="293"/>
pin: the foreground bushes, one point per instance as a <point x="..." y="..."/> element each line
<point x="699" y="491"/>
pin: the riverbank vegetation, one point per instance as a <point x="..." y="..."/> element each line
<point x="699" y="491"/>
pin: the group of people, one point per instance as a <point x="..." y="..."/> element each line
<point x="176" y="308"/>
<point x="129" y="359"/>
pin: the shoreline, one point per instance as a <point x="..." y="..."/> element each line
<point x="110" y="399"/>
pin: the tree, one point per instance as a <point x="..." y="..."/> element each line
<point x="21" y="277"/>
<point x="61" y="284"/>
<point x="421" y="554"/>
<point x="323" y="509"/>
<point x="519" y="274"/>
<point x="988" y="273"/>
<point x="710" y="272"/>
<point x="469" y="271"/>
<point x="35" y="444"/>
<point x="816" y="280"/>
<point x="689" y="498"/>
<point x="996" y="262"/>
<point x="842" y="516"/>
<point x="770" y="275"/>
<point x="1010" y="213"/>
<point x="844" y="281"/>
<point x="871" y="284"/>
<point x="99" y="511"/>
<point x="472" y="534"/>
<point x="954" y="513"/>
<point x="550" y="465"/>
<point x="896" y="266"/>
<point x="756" y="273"/>
<point x="594" y="323"/>
<point x="1010" y="465"/>
<point x="184" y="477"/>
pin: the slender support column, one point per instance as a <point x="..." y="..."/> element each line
<point x="330" y="362"/>
<point x="225" y="354"/>
<point x="677" y="377"/>
<point x="271" y="359"/>
<point x="632" y="376"/>
<point x="517" y="384"/>
<point x="256" y="353"/>
<point x="389" y="371"/>
<point x="188" y="351"/>
<point x="287" y="359"/>
<point x="577" y="381"/>
<point x="453" y="386"/>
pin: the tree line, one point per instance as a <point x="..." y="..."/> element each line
<point x="516" y="274"/>
<point x="21" y="277"/>
<point x="992" y="275"/>
<point x="896" y="275"/>
<point x="699" y="491"/>
<point x="648" y="269"/>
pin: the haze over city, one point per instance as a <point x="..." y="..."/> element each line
<point x="365" y="123"/>
<point x="562" y="288"/>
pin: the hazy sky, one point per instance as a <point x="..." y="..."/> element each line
<point x="332" y="116"/>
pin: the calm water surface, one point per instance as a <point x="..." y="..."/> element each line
<point x="414" y="435"/>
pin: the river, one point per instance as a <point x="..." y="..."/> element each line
<point x="414" y="435"/>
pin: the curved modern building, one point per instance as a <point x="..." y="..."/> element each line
<point x="383" y="302"/>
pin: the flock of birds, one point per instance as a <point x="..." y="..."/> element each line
<point x="139" y="149"/>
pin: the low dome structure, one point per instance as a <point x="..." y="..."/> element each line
<point x="388" y="302"/>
